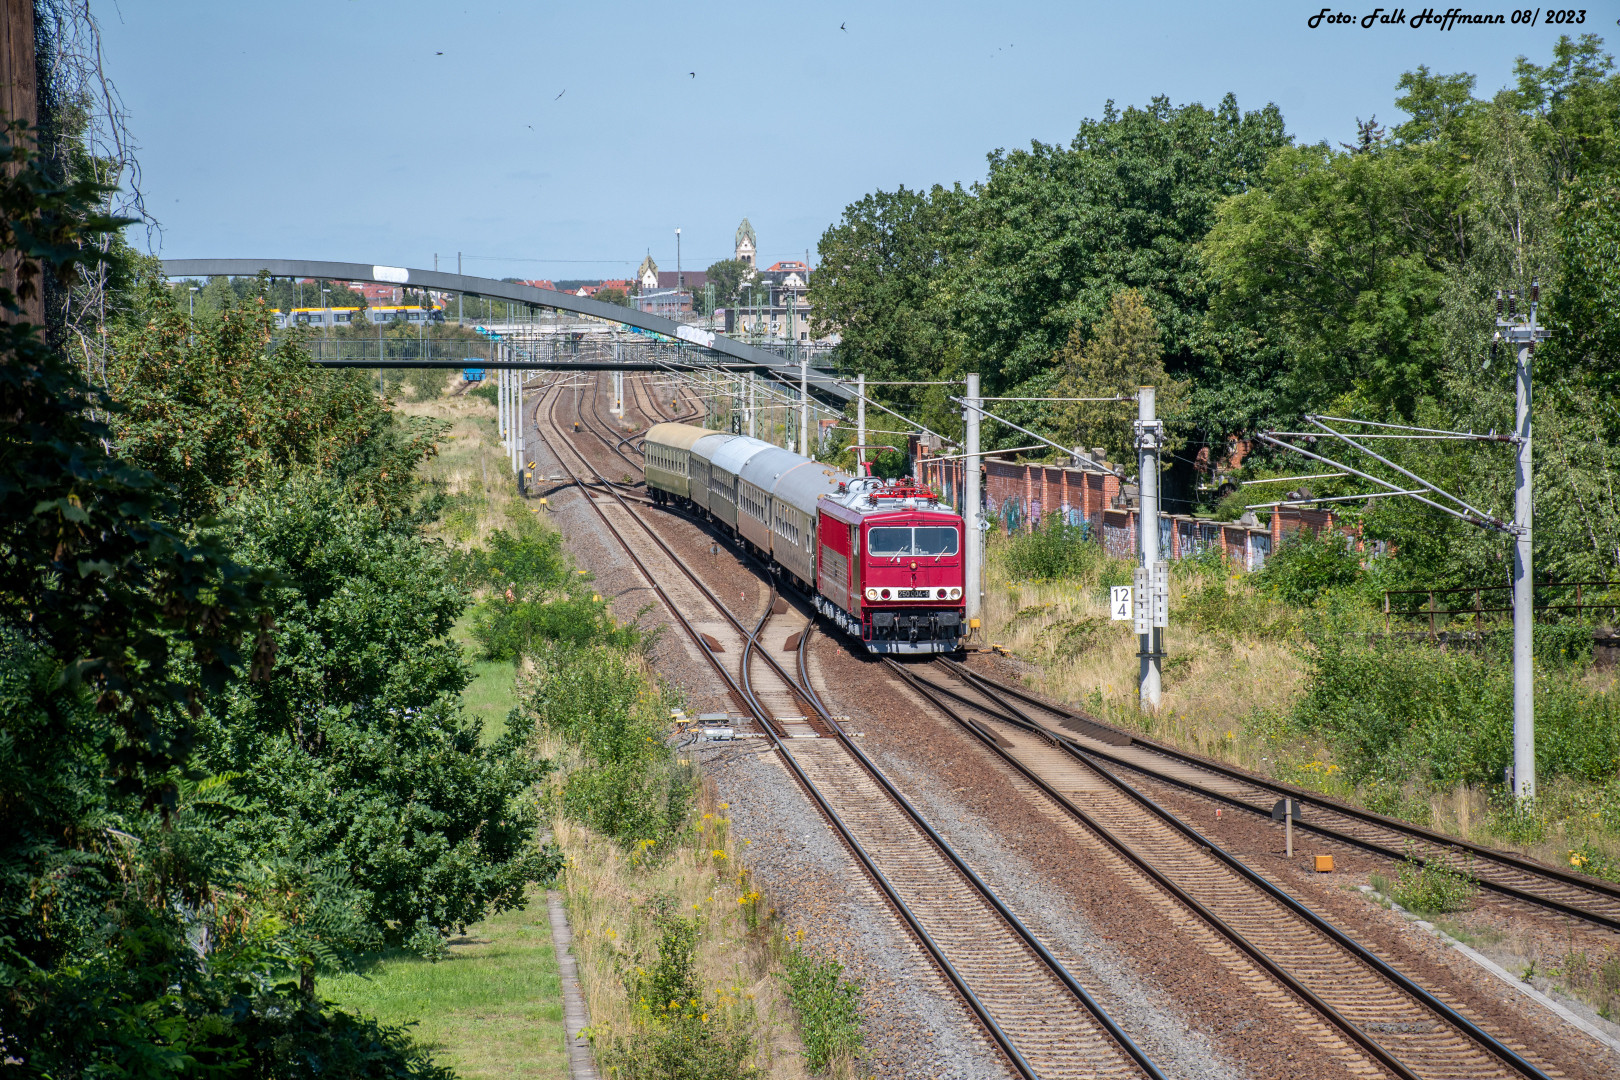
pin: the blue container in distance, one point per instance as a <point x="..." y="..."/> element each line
<point x="472" y="374"/>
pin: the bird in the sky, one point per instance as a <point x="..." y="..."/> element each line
<point x="438" y="54"/>
<point x="843" y="28"/>
<point x="559" y="96"/>
<point x="692" y="73"/>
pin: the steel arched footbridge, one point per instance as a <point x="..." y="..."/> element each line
<point x="719" y="350"/>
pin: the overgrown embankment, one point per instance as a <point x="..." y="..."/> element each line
<point x="1289" y="671"/>
<point x="682" y="959"/>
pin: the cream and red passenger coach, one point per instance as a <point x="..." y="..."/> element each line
<point x="883" y="560"/>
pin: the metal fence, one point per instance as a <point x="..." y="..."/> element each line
<point x="1594" y="599"/>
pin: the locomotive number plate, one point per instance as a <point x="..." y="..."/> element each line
<point x="913" y="594"/>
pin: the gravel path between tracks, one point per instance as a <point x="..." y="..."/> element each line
<point x="1511" y="1016"/>
<point x="1153" y="1020"/>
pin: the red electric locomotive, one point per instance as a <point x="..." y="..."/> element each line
<point x="889" y="566"/>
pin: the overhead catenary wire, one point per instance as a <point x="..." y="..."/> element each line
<point x="982" y="411"/>
<point x="1491" y="436"/>
<point x="1490" y="523"/>
<point x="1291" y="479"/>
<point x="1114" y="398"/>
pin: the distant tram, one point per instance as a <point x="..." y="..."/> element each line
<point x="347" y="316"/>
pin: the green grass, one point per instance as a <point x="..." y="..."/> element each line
<point x="491" y="695"/>
<point x="493" y="690"/>
<point x="493" y="1009"/>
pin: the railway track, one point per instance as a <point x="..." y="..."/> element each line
<point x="1040" y="1017"/>
<point x="1548" y="888"/>
<point x="1394" y="1020"/>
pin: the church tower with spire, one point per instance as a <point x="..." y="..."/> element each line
<point x="746" y="243"/>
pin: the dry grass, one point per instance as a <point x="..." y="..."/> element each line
<point x="611" y="895"/>
<point x="481" y="493"/>
<point x="1215" y="683"/>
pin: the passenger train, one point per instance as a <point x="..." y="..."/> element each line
<point x="881" y="559"/>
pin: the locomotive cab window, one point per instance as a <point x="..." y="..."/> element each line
<point x="934" y="540"/>
<point x="887" y="541"/>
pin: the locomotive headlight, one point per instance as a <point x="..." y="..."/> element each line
<point x="871" y="594"/>
<point x="956" y="594"/>
<point x="884" y="593"/>
<point x="941" y="594"/>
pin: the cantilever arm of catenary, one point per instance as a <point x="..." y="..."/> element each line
<point x="1404" y="472"/>
<point x="1488" y="523"/>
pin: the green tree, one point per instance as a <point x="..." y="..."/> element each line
<point x="1343" y="255"/>
<point x="727" y="277"/>
<point x="209" y="410"/>
<point x="1121" y="354"/>
<point x="123" y="943"/>
<point x="1056" y="232"/>
<point x="881" y="266"/>
<point x="613" y="296"/>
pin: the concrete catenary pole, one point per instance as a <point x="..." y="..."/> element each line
<point x="1147" y="461"/>
<point x="517" y="441"/>
<point x="860" y="422"/>
<point x="973" y="557"/>
<point x="1524" y="676"/>
<point x="804" y="405"/>
<point x="500" y="395"/>
<point x="1524" y="336"/>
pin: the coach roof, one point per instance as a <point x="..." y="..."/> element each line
<point x="808" y="482"/>
<point x="680" y="436"/>
<point x="732" y="456"/>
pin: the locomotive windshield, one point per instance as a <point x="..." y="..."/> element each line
<point x="888" y="541"/>
<point x="891" y="541"/>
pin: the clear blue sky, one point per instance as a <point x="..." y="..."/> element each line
<point x="333" y="129"/>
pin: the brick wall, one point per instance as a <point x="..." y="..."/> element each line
<point x="1019" y="496"/>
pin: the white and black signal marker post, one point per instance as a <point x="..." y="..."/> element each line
<point x="1152" y="594"/>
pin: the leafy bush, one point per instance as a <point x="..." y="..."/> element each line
<point x="528" y="563"/>
<point x="828" y="1006"/>
<point x="507" y="629"/>
<point x="681" y="1032"/>
<point x="1590" y="859"/>
<point x="487" y="391"/>
<point x="629" y="786"/>
<point x="367" y="781"/>
<point x="1055" y="550"/>
<point x="1432" y="887"/>
<point x="1399" y="712"/>
<point x="1554" y="645"/>
<point x="1307" y="566"/>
